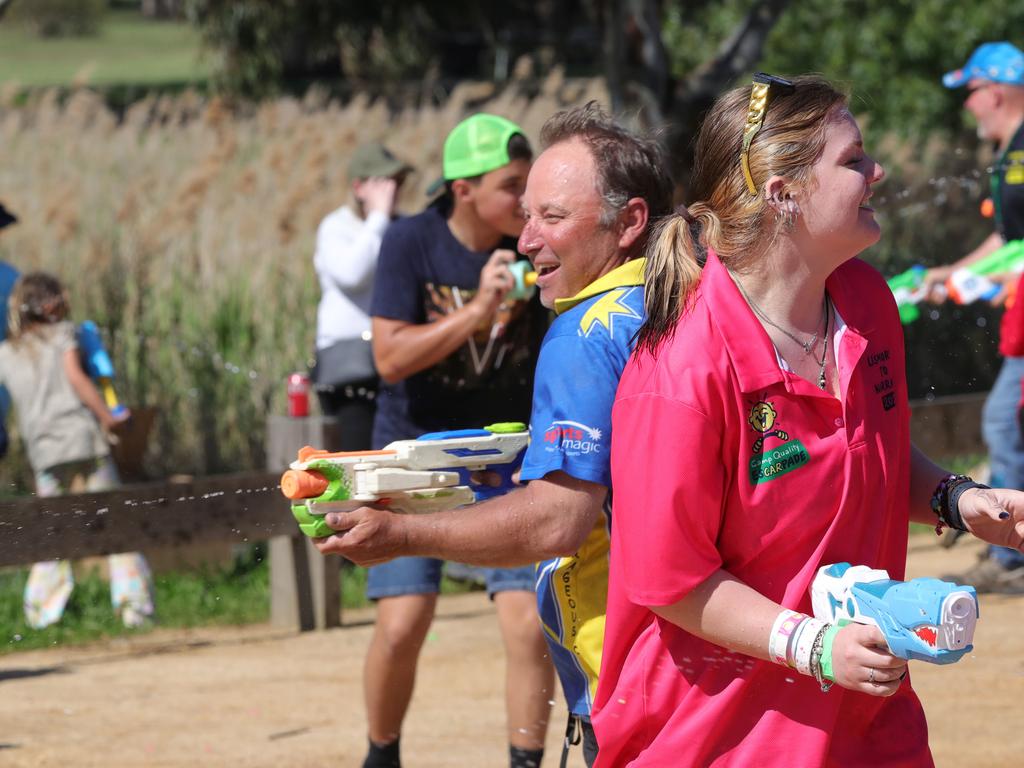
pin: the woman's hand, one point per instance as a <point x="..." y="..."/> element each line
<point x="861" y="661"/>
<point x="995" y="515"/>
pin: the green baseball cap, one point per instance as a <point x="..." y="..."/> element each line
<point x="370" y="160"/>
<point x="477" y="145"/>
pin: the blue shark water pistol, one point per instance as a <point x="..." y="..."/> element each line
<point x="925" y="618"/>
<point x="428" y="474"/>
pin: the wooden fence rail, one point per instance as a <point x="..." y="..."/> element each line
<point x="242" y="507"/>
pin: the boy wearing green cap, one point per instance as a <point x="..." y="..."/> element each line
<point x="454" y="351"/>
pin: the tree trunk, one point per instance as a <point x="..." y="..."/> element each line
<point x="694" y="95"/>
<point x="162" y="9"/>
<point x="637" y="70"/>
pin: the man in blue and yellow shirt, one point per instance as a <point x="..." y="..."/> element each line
<point x="590" y="201"/>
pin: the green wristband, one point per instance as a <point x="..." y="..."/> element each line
<point x="826" y="652"/>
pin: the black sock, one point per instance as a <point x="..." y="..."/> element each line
<point x="383" y="756"/>
<point x="524" y="758"/>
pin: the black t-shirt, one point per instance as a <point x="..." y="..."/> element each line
<point x="424" y="273"/>
<point x="1008" y="189"/>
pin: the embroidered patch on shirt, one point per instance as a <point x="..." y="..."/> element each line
<point x="767" y="465"/>
<point x="778" y="461"/>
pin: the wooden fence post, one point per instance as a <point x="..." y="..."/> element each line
<point x="305" y="587"/>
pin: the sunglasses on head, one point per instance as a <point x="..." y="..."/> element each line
<point x="755" y="118"/>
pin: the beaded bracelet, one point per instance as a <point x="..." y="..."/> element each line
<point x="945" y="502"/>
<point x="792" y="638"/>
<point x="817" y="650"/>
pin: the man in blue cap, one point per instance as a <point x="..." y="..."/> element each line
<point x="994" y="78"/>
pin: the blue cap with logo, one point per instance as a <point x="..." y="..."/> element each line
<point x="1000" y="62"/>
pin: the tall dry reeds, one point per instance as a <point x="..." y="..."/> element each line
<point x="185" y="229"/>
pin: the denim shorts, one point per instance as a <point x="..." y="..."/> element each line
<point x="422" y="576"/>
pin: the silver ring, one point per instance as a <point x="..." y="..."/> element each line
<point x="871" y="675"/>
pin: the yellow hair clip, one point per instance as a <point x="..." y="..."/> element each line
<point x="755" y="119"/>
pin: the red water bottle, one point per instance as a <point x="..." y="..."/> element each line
<point x="298" y="395"/>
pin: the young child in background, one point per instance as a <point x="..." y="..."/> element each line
<point x="64" y="425"/>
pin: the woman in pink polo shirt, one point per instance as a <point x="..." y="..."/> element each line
<point x="761" y="431"/>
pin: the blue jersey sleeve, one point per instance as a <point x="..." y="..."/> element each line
<point x="570" y="425"/>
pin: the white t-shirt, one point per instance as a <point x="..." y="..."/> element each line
<point x="347" y="248"/>
<point x="55" y="426"/>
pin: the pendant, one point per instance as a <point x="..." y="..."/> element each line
<point x="821" y="379"/>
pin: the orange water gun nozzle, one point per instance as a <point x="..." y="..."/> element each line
<point x="303" y="484"/>
<point x="988" y="208"/>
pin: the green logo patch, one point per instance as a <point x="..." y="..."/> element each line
<point x="778" y="461"/>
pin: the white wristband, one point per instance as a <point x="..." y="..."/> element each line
<point x="804" y="644"/>
<point x="786" y="624"/>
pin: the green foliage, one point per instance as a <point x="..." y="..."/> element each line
<point x="60" y="18"/>
<point x="248" y="39"/>
<point x="892" y="53"/>
<point x="128" y="50"/>
<point x="261" y="45"/>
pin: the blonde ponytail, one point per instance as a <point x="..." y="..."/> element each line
<point x="672" y="273"/>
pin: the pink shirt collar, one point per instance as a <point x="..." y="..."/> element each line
<point x="748" y="345"/>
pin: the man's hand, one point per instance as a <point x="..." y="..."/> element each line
<point x="935" y="284"/>
<point x="377" y="194"/>
<point x="861" y="661"/>
<point x="496" y="281"/>
<point x="366" y="536"/>
<point x="114" y="426"/>
<point x="995" y="515"/>
<point x="1006" y="281"/>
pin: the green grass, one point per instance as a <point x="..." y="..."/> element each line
<point x="127" y="49"/>
<point x="234" y="595"/>
<point x="237" y="594"/>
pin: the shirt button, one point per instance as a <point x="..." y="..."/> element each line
<point x="839" y="422"/>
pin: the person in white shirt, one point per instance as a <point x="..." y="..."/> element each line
<point x="347" y="246"/>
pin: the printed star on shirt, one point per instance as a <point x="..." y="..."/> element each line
<point x="604" y="310"/>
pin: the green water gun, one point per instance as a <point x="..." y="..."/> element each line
<point x="429" y="474"/>
<point x="908" y="290"/>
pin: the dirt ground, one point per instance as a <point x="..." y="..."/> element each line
<point x="258" y="697"/>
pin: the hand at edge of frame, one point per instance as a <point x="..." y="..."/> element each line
<point x="995" y="515"/>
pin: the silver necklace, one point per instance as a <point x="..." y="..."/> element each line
<point x="824" y="346"/>
<point x="808" y="346"/>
